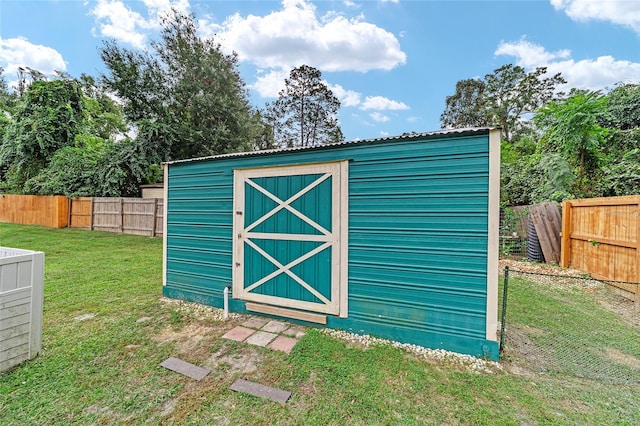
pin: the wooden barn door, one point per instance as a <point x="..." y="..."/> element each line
<point x="290" y="236"/>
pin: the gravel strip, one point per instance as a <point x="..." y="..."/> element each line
<point x="541" y="268"/>
<point x="467" y="362"/>
<point x="198" y="311"/>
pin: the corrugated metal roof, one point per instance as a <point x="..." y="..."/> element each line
<point x="412" y="135"/>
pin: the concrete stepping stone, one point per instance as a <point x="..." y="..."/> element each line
<point x="261" y="391"/>
<point x="275" y="326"/>
<point x="255" y="322"/>
<point x="186" y="368"/>
<point x="261" y="338"/>
<point x="283" y="343"/>
<point x="238" y="333"/>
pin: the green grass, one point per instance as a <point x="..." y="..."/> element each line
<point x="105" y="370"/>
<point x="577" y="335"/>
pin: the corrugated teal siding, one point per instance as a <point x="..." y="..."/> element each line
<point x="418" y="235"/>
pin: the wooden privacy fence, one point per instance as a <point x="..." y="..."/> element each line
<point x="139" y="216"/>
<point x="600" y="236"/>
<point x="43" y="210"/>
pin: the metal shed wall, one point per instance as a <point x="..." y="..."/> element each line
<point x="422" y="254"/>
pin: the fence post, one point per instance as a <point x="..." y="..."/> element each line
<point x="70" y="208"/>
<point x="155" y="215"/>
<point x="91" y="213"/>
<point x="565" y="246"/>
<point x="505" y="287"/>
<point x="121" y="215"/>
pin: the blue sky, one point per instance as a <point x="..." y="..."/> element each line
<point x="391" y="63"/>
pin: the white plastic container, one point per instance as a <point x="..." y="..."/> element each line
<point x="21" y="294"/>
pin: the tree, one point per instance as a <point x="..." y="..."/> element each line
<point x="67" y="137"/>
<point x="571" y="129"/>
<point x="7" y="104"/>
<point x="305" y="112"/>
<point x="623" y="108"/>
<point x="467" y="107"/>
<point x="503" y="98"/>
<point x="185" y="97"/>
<point x="48" y="119"/>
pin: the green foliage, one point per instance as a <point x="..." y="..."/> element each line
<point x="71" y="171"/>
<point x="510" y="242"/>
<point x="124" y="166"/>
<point x="184" y="96"/>
<point x="48" y="119"/>
<point x="571" y="129"/>
<point x="559" y="180"/>
<point x="512" y="151"/>
<point x="502" y="98"/>
<point x="8" y="101"/>
<point x="467" y="106"/>
<point x="67" y="138"/>
<point x="621" y="177"/>
<point x="521" y="180"/>
<point x="623" y="108"/>
<point x="305" y="112"/>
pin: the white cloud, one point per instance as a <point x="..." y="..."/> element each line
<point x="530" y="55"/>
<point x="269" y="84"/>
<point x="381" y="103"/>
<point x="115" y="19"/>
<point x="348" y="98"/>
<point x="620" y="12"/>
<point x="592" y="74"/>
<point x="380" y="118"/>
<point x="19" y="52"/>
<point x="296" y="35"/>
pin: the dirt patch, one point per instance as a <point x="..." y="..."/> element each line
<point x="228" y="361"/>
<point x="524" y="357"/>
<point x="85" y="317"/>
<point x="623" y="358"/>
<point x="188" y="338"/>
<point x="310" y="385"/>
<point x="627" y="309"/>
<point x="168" y="407"/>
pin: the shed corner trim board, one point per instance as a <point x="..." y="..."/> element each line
<point x="493" y="239"/>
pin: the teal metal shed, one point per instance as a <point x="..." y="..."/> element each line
<point x="395" y="237"/>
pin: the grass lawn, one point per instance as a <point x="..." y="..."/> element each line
<point x="105" y="369"/>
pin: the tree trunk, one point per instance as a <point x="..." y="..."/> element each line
<point x="302" y="121"/>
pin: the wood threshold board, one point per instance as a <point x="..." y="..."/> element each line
<point x="288" y="313"/>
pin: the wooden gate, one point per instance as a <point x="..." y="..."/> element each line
<point x="290" y="237"/>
